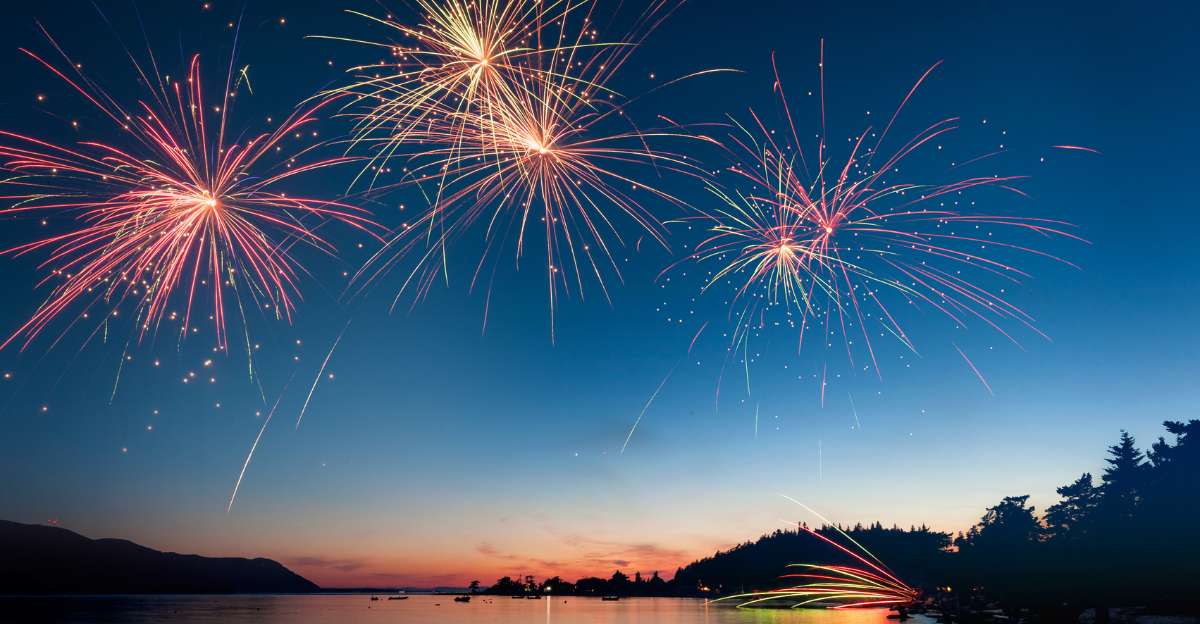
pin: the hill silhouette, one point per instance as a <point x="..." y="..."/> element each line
<point x="38" y="559"/>
<point x="919" y="552"/>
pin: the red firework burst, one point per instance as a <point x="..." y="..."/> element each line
<point x="179" y="204"/>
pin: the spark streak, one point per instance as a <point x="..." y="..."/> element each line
<point x="1079" y="148"/>
<point x="321" y="372"/>
<point x="974" y="369"/>
<point x="257" y="439"/>
<point x="645" y="407"/>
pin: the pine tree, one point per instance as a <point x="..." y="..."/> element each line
<point x="1069" y="519"/>
<point x="1010" y="524"/>
<point x="1124" y="480"/>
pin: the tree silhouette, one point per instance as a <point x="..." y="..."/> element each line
<point x="1169" y="518"/>
<point x="1133" y="539"/>
<point x="1070" y="518"/>
<point x="1007" y="526"/>
<point x="556" y="585"/>
<point x="506" y="586"/>
<point x="1124" y="479"/>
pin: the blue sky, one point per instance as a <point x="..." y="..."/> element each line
<point x="438" y="453"/>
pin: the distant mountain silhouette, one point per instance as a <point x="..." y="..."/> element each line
<point x="36" y="559"/>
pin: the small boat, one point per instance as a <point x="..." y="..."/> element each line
<point x="397" y="597"/>
<point x="533" y="597"/>
<point x="462" y="599"/>
<point x="610" y="597"/>
<point x="374" y="597"/>
<point x="517" y="597"/>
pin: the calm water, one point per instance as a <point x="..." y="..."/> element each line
<point x="327" y="609"/>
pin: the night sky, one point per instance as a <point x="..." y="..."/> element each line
<point x="433" y="452"/>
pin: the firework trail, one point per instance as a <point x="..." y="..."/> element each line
<point x="275" y="407"/>
<point x="177" y="205"/>
<point x="645" y="407"/>
<point x="974" y="369"/>
<point x="1078" y="148"/>
<point x="836" y="245"/>
<point x="833" y="586"/>
<point x="507" y="108"/>
<point x="869" y="583"/>
<point x="257" y="439"/>
<point x="321" y="372"/>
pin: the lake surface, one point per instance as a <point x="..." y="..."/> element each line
<point x="347" y="609"/>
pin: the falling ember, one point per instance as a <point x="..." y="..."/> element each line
<point x="254" y="445"/>
<point x="1078" y="148"/>
<point x="974" y="369"/>
<point x="320" y="372"/>
<point x="176" y="207"/>
<point x="645" y="407"/>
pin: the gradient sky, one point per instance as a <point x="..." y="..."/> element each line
<point x="438" y="453"/>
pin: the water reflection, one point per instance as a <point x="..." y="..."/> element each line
<point x="347" y="609"/>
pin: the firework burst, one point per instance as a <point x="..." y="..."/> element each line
<point x="525" y="146"/>
<point x="178" y="205"/>
<point x="463" y="57"/>
<point x="539" y="165"/>
<point x="837" y="245"/>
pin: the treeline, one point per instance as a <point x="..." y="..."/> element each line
<point x="751" y="565"/>
<point x="918" y="552"/>
<point x="1131" y="537"/>
<point x="619" y="584"/>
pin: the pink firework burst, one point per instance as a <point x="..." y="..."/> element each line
<point x="840" y="245"/>
<point x="177" y="205"/>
